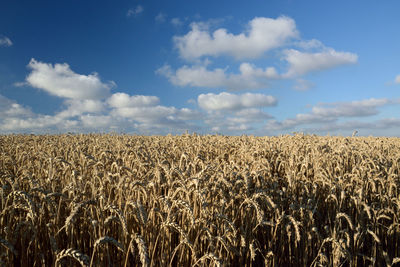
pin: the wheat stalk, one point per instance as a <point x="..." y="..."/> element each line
<point x="73" y="253"/>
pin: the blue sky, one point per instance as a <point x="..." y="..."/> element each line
<point x="230" y="67"/>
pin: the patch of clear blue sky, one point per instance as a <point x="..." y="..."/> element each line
<point x="97" y="36"/>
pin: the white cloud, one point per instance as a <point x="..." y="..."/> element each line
<point x="61" y="81"/>
<point x="147" y="114"/>
<point x="227" y="101"/>
<point x="263" y="34"/>
<point x="20" y="84"/>
<point x="355" y="125"/>
<point x="77" y="107"/>
<point x="224" y="113"/>
<point x="252" y="77"/>
<point x="27" y="124"/>
<point x="303" y="85"/>
<point x="248" y="115"/>
<point x="97" y="122"/>
<point x="16" y="118"/>
<point x="194" y="76"/>
<point x="161" y="17"/>
<point x="397" y="79"/>
<point x="122" y="100"/>
<point x="135" y="11"/>
<point x="5" y="41"/>
<point x="310" y="44"/>
<point x="139" y="114"/>
<point x="249" y="70"/>
<point x="88" y="106"/>
<point x="331" y="112"/>
<point x="301" y="63"/>
<point x="379" y="127"/>
<point x="249" y="77"/>
<point x="361" y="108"/>
<point x="252" y="113"/>
<point x="188" y="114"/>
<point x="11" y="109"/>
<point x="155" y="114"/>
<point x="246" y="120"/>
<point x="176" y="22"/>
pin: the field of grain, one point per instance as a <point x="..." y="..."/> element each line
<point x="190" y="200"/>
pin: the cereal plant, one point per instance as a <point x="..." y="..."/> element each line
<point x="191" y="200"/>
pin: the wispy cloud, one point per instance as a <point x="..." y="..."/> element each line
<point x="135" y="11"/>
<point x="303" y="85"/>
<point x="371" y="126"/>
<point x="161" y="17"/>
<point x="397" y="79"/>
<point x="331" y="112"/>
<point x="176" y="22"/>
<point x="5" y="41"/>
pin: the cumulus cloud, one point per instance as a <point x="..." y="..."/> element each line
<point x="106" y="122"/>
<point x="249" y="77"/>
<point x="16" y="125"/>
<point x="11" y="109"/>
<point x="227" y="101"/>
<point x="61" y="81"/>
<point x="123" y="100"/>
<point x="248" y="115"/>
<point x="360" y="108"/>
<point x="263" y="34"/>
<point x="224" y="113"/>
<point x="145" y="109"/>
<point x="135" y="11"/>
<point x="146" y="113"/>
<point x="120" y="112"/>
<point x="397" y="79"/>
<point x="140" y="114"/>
<point x="5" y="41"/>
<point x="246" y="120"/>
<point x="157" y="119"/>
<point x="301" y="63"/>
<point x="16" y="118"/>
<point x="88" y="106"/>
<point x="331" y="112"/>
<point x="253" y="77"/>
<point x="77" y="107"/>
<point x="252" y="113"/>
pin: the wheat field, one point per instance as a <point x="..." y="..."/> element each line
<point x="191" y="200"/>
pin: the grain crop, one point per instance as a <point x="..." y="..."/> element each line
<point x="199" y="200"/>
